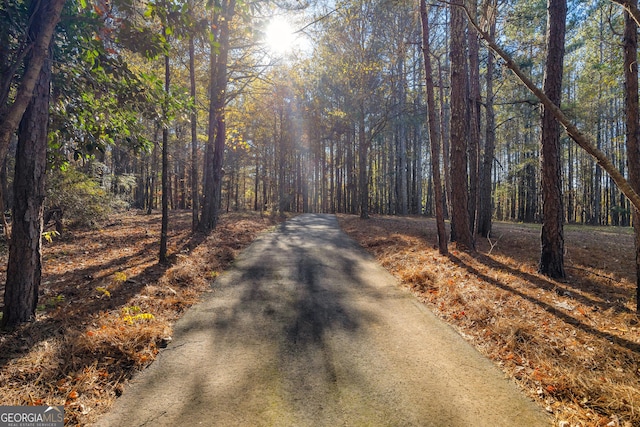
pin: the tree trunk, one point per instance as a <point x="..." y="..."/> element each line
<point x="485" y="209"/>
<point x="46" y="16"/>
<point x="434" y="133"/>
<point x="363" y="176"/>
<point x="474" y="118"/>
<point x="460" y="227"/>
<point x="445" y="119"/>
<point x="195" y="193"/>
<point x="552" y="253"/>
<point x="633" y="127"/>
<point x="24" y="268"/>
<point x="217" y="127"/>
<point x="403" y="196"/>
<point x="207" y="216"/>
<point x="3" y="195"/>
<point x="164" y="227"/>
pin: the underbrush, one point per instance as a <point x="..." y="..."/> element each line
<point x="572" y="345"/>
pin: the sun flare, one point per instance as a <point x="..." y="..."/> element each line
<point x="279" y="36"/>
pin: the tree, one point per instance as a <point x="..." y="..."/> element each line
<point x="37" y="47"/>
<point x="460" y="227"/>
<point x="434" y="134"/>
<point x="214" y="156"/>
<point x="485" y="205"/>
<point x="24" y="267"/>
<point x="195" y="195"/>
<point x="164" y="226"/>
<point x="552" y="253"/>
<point x="630" y="40"/>
<point x="474" y="118"/>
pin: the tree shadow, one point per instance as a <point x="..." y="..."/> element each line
<point x="630" y="345"/>
<point x="290" y="290"/>
<point x="73" y="284"/>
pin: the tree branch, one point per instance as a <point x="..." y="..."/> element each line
<point x="40" y="51"/>
<point x="631" y="8"/>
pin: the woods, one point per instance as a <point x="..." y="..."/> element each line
<point x="499" y="120"/>
<point x="348" y="121"/>
<point x="381" y="108"/>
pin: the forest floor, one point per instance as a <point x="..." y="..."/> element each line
<point x="572" y="345"/>
<point x="106" y="307"/>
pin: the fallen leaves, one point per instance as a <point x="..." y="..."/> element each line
<point x="113" y="309"/>
<point x="572" y="345"/>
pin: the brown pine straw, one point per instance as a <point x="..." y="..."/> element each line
<point x="107" y="307"/>
<point x="573" y="345"/>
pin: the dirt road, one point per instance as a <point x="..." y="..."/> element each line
<point x="307" y="330"/>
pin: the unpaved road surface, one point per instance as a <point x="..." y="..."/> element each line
<point x="307" y="330"/>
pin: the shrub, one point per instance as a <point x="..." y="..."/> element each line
<point x="74" y="199"/>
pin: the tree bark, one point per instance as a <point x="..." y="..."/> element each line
<point x="460" y="228"/>
<point x="445" y="119"/>
<point x="485" y="209"/>
<point x="363" y="176"/>
<point x="217" y="127"/>
<point x="195" y="196"/>
<point x="434" y="133"/>
<point x="164" y="227"/>
<point x="633" y="126"/>
<point x="403" y="196"/>
<point x="24" y="268"/>
<point x="552" y="238"/>
<point x="42" y="30"/>
<point x="474" y="119"/>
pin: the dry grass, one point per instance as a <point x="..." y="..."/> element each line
<point x="107" y="307"/>
<point x="573" y="345"/>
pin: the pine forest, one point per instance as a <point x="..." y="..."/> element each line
<point x="465" y="117"/>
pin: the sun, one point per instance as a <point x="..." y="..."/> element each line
<point x="279" y="36"/>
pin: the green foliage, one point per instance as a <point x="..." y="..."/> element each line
<point x="119" y="277"/>
<point x="104" y="291"/>
<point x="49" y="235"/>
<point x="80" y="199"/>
<point x="51" y="303"/>
<point x="134" y="314"/>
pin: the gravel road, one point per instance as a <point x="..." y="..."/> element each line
<point x="307" y="330"/>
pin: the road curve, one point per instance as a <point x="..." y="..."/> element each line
<point x="307" y="330"/>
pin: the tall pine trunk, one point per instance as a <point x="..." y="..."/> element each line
<point x="363" y="176"/>
<point x="633" y="126"/>
<point x="460" y="227"/>
<point x="402" y="178"/>
<point x="552" y="253"/>
<point x="214" y="157"/>
<point x="164" y="227"/>
<point x="485" y="209"/>
<point x="474" y="117"/>
<point x="434" y="133"/>
<point x="24" y="268"/>
<point x="195" y="195"/>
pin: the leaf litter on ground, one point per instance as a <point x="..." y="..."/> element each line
<point x="106" y="307"/>
<point x="572" y="345"/>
